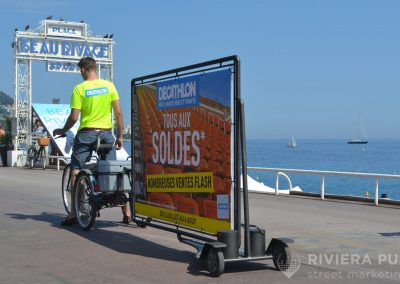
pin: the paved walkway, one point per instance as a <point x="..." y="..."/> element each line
<point x="329" y="237"/>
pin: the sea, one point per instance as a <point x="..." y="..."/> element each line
<point x="381" y="156"/>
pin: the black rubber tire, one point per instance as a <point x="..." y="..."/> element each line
<point x="215" y="262"/>
<point x="85" y="209"/>
<point x="66" y="189"/>
<point x="140" y="224"/>
<point x="42" y="158"/>
<point x="281" y="257"/>
<point x="31" y="154"/>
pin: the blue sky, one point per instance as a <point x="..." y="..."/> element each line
<point x="309" y="68"/>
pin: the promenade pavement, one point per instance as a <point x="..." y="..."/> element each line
<point x="336" y="242"/>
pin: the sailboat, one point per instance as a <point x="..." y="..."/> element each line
<point x="359" y="135"/>
<point x="292" y="143"/>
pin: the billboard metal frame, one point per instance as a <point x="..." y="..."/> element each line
<point x="221" y="250"/>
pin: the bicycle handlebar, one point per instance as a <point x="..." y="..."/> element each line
<point x="61" y="136"/>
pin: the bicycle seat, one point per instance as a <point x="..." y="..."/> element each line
<point x="103" y="149"/>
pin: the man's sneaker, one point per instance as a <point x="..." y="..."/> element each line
<point x="126" y="219"/>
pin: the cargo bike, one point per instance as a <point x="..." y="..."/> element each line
<point x="101" y="184"/>
<point x="104" y="184"/>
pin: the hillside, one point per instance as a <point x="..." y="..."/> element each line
<point x="5" y="99"/>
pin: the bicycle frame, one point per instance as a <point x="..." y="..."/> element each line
<point x="35" y="153"/>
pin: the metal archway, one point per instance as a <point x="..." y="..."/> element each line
<point x="61" y="45"/>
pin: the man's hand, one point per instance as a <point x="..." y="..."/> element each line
<point x="72" y="118"/>
<point x="118" y="143"/>
<point x="58" y="131"/>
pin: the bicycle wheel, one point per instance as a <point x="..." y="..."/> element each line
<point x="42" y="158"/>
<point x="66" y="188"/>
<point x="85" y="209"/>
<point x="31" y="157"/>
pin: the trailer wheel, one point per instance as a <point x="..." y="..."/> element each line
<point x="281" y="256"/>
<point x="140" y="224"/>
<point x="215" y="262"/>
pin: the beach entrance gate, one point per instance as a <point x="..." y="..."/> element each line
<point x="188" y="156"/>
<point x="61" y="45"/>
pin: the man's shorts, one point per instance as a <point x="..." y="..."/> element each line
<point x="85" y="143"/>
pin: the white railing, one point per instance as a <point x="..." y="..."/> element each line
<point x="21" y="160"/>
<point x="323" y="174"/>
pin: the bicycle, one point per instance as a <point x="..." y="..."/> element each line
<point x="101" y="184"/>
<point x="66" y="187"/>
<point x="35" y="155"/>
<point x="66" y="183"/>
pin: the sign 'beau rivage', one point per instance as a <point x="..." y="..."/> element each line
<point x="62" y="42"/>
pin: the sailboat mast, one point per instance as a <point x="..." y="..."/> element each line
<point x="363" y="131"/>
<point x="359" y="134"/>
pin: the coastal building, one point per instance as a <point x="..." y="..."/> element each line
<point x="126" y="133"/>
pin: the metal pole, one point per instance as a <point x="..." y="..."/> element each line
<point x="16" y="109"/>
<point x="236" y="154"/>
<point x="376" y="191"/>
<point x="111" y="75"/>
<point x="277" y="184"/>
<point x="322" y="187"/>
<point x="245" y="190"/>
<point x="29" y="122"/>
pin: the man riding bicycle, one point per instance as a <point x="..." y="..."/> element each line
<point x="93" y="100"/>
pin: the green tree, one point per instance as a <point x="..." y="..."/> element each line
<point x="5" y="99"/>
<point x="7" y="139"/>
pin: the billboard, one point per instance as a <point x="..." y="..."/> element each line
<point x="183" y="151"/>
<point x="54" y="116"/>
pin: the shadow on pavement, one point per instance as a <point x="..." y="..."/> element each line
<point x="130" y="244"/>
<point x="392" y="234"/>
<point x="198" y="268"/>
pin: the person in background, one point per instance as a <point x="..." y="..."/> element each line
<point x="2" y="132"/>
<point x="38" y="127"/>
<point x="3" y="148"/>
<point x="93" y="100"/>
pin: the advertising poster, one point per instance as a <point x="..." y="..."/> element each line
<point x="183" y="147"/>
<point x="54" y="116"/>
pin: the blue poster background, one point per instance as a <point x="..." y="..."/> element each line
<point x="186" y="92"/>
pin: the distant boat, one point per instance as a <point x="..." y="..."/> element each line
<point x="292" y="143"/>
<point x="359" y="134"/>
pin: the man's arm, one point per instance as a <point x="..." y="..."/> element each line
<point x="118" y="116"/>
<point x="72" y="119"/>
